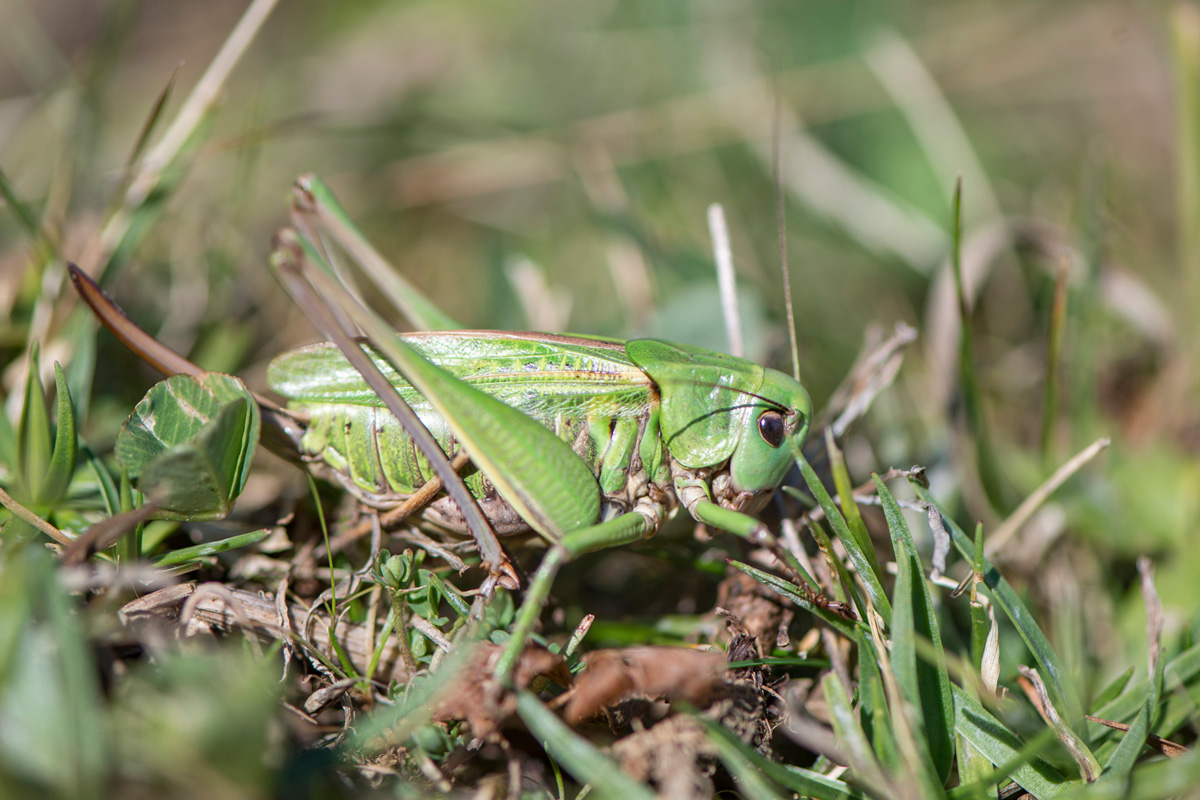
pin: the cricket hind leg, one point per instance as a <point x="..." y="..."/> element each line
<point x="630" y="527"/>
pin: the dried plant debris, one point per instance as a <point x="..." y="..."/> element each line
<point x="612" y="677"/>
<point x="676" y="754"/>
<point x="754" y="610"/>
<point x="476" y="697"/>
<point x="201" y="608"/>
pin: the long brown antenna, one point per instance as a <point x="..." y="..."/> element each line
<point x="780" y="224"/>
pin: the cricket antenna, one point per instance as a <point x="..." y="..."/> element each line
<point x="777" y="159"/>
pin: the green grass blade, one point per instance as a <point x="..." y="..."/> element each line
<point x="845" y="490"/>
<point x="750" y="779"/>
<point x="34" y="432"/>
<point x="927" y="685"/>
<point x="1004" y="749"/>
<point x="49" y="691"/>
<point x="151" y="122"/>
<point x="66" y="446"/>
<point x="1006" y="598"/>
<point x="197" y="552"/>
<point x="803" y="782"/>
<point x="873" y="705"/>
<point x="104" y="480"/>
<point x="26" y="217"/>
<point x="10" y="449"/>
<point x="858" y="558"/>
<point x="981" y="623"/>
<point x="990" y="475"/>
<point x="800" y="598"/>
<point x="1132" y="744"/>
<point x="587" y="764"/>
<point x="416" y="307"/>
<point x="850" y="736"/>
<point x="1181" y="673"/>
<point x="166" y="162"/>
<point x="1114" y="689"/>
<point x="1153" y="780"/>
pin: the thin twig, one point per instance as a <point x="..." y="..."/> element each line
<point x="33" y="519"/>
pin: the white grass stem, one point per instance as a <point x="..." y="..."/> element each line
<point x="718" y="229"/>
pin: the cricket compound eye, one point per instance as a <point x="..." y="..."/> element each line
<point x="772" y="428"/>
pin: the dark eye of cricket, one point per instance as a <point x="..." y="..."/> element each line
<point x="771" y="426"/>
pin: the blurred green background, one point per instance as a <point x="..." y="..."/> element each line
<point x="548" y="165"/>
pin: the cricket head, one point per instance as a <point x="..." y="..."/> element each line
<point x="778" y="422"/>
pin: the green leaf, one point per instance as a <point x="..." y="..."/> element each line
<point x="189" y="442"/>
<point x="66" y="447"/>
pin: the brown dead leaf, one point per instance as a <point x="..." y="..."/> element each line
<point x="677" y="754"/>
<point x="670" y="673"/>
<point x="477" y="698"/>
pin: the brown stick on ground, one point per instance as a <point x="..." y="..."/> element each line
<point x="257" y="615"/>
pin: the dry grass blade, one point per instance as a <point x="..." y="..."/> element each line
<point x="1035" y="689"/>
<point x="200" y="102"/>
<point x="1034" y="501"/>
<point x="1165" y="746"/>
<point x="718" y="230"/>
<point x="260" y="616"/>
<point x="874" y="369"/>
<point x="1155" y="619"/>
